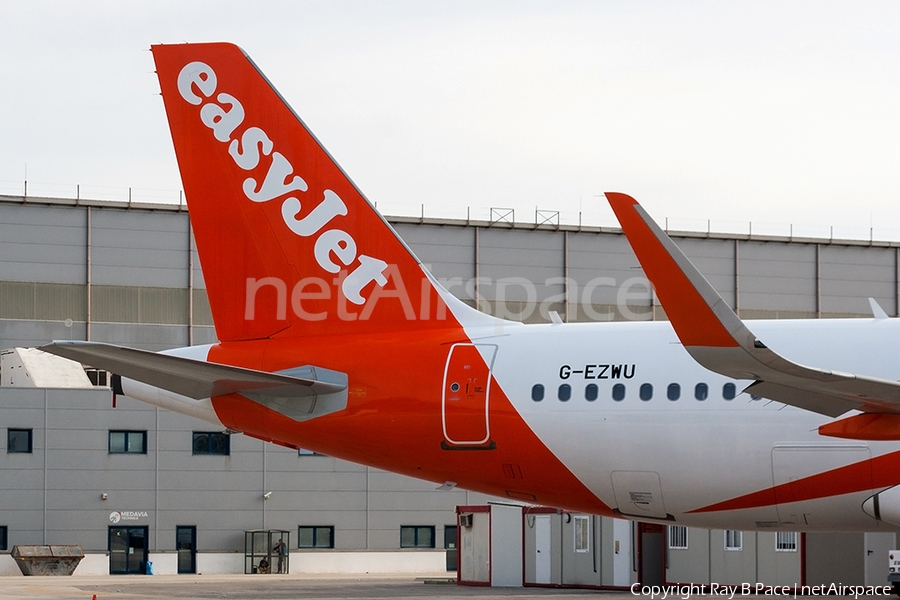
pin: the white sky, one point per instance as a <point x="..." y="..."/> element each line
<point x="775" y="112"/>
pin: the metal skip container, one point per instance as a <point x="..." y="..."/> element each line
<point x="47" y="560"/>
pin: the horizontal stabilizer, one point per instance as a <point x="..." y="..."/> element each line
<point x="720" y="341"/>
<point x="196" y="378"/>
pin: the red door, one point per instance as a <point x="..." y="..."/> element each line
<point x="467" y="379"/>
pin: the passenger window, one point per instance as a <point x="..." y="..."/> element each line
<point x="564" y="392"/>
<point x="729" y="391"/>
<point x="591" y="392"/>
<point x="618" y="392"/>
<point x="537" y="392"/>
<point x="701" y="391"/>
<point x="673" y="392"/>
<point x="646" y="391"/>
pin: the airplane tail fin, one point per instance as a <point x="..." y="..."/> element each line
<point x="288" y="244"/>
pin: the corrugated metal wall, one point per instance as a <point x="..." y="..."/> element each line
<point x="131" y="275"/>
<point x="54" y="494"/>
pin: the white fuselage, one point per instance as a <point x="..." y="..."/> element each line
<point x="701" y="452"/>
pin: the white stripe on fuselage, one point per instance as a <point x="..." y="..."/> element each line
<point x="704" y="451"/>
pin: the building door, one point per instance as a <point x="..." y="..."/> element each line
<point x="542" y="552"/>
<point x="128" y="550"/>
<point x="467" y="378"/>
<point x="651" y="554"/>
<point x="450" y="546"/>
<point x="622" y="552"/>
<point x="877" y="546"/>
<point x="186" y="545"/>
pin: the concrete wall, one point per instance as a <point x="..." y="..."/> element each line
<point x="777" y="567"/>
<point x="583" y="567"/>
<point x="848" y="558"/>
<point x="54" y="494"/>
<point x="213" y="563"/>
<point x="691" y="564"/>
<point x="732" y="567"/>
<point x="706" y="560"/>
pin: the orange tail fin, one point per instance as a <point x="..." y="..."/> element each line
<point x="288" y="244"/>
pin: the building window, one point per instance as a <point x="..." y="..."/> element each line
<point x="18" y="441"/>
<point x="733" y="540"/>
<point x="564" y="392"/>
<point x="678" y="537"/>
<point x="591" y="391"/>
<point x="127" y="442"/>
<point x="209" y="442"/>
<point x="582" y="534"/>
<point x="417" y="536"/>
<point x="618" y="392"/>
<point x="3" y="541"/>
<point x="786" y="541"/>
<point x="729" y="391"/>
<point x="97" y="377"/>
<point x="537" y="392"/>
<point x="315" y="536"/>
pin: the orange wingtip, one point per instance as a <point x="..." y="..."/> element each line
<point x="670" y="273"/>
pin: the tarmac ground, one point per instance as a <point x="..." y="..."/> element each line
<point x="256" y="587"/>
<point x="253" y="587"/>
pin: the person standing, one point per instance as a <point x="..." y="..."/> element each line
<point x="280" y="551"/>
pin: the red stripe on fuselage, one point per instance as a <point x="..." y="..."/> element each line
<point x="880" y="472"/>
<point x="393" y="418"/>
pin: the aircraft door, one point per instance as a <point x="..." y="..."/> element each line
<point x="466" y="394"/>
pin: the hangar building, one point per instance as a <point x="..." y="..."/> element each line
<point x="136" y="483"/>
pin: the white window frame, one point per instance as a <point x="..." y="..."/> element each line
<point x="581" y="529"/>
<point x="734" y="540"/>
<point x="678" y="537"/>
<point x="786" y="541"/>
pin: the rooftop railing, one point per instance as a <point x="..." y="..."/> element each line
<point x="539" y="217"/>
